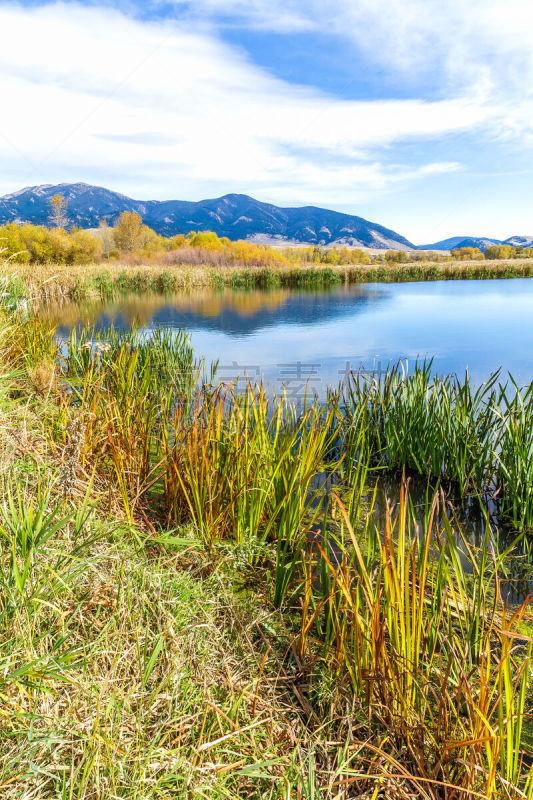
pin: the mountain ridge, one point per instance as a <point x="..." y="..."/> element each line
<point x="482" y="242"/>
<point x="236" y="216"/>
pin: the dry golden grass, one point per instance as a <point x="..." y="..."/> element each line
<point x="43" y="378"/>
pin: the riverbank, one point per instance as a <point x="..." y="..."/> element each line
<point x="133" y="664"/>
<point x="77" y="282"/>
<point x="173" y="626"/>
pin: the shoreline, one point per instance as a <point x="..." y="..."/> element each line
<point x="56" y="282"/>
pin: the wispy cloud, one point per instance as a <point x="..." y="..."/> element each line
<point x="278" y="16"/>
<point x="151" y="138"/>
<point x="85" y="81"/>
<point x="481" y="47"/>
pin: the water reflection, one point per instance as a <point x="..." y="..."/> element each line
<point x="474" y="325"/>
<point x="235" y="313"/>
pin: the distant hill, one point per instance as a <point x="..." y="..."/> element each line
<point x="460" y="241"/>
<point x="480" y="242"/>
<point x="519" y="241"/>
<point x="455" y="242"/>
<point x="236" y="216"/>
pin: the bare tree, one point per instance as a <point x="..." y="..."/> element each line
<point x="105" y="234"/>
<point x="59" y="216"/>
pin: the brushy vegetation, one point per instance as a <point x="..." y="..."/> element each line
<point x="197" y="601"/>
<point x="132" y="243"/>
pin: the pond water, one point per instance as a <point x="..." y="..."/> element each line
<point x="290" y="337"/>
<point x="295" y="339"/>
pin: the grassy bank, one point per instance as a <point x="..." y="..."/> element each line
<point x="186" y="614"/>
<point x="74" y="282"/>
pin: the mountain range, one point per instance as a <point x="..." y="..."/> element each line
<point x="236" y="216"/>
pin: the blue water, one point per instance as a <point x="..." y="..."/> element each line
<point x="291" y="337"/>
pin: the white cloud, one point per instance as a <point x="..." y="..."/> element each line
<point x="440" y="168"/>
<point x="157" y="111"/>
<point x="457" y="47"/>
<point x="282" y="16"/>
<point x="406" y="33"/>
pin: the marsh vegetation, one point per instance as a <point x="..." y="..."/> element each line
<point x="64" y="283"/>
<point x="197" y="599"/>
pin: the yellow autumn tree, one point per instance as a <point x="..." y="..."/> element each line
<point x="128" y="231"/>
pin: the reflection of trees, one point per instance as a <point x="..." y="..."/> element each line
<point x="246" y="303"/>
<point x="67" y="314"/>
<point x="234" y="312"/>
<point x="242" y="313"/>
<point x="141" y="308"/>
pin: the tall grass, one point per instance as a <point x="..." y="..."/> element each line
<point x="439" y="667"/>
<point x="244" y="472"/>
<point x="441" y="427"/>
<point x="515" y="455"/>
<point x="124" y="389"/>
<point x="151" y="411"/>
<point x="430" y="656"/>
<point x="138" y="395"/>
<point x="59" y="282"/>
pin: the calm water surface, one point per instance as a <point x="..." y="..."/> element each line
<point x="287" y="336"/>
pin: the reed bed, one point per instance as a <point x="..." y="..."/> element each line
<point x="189" y="610"/>
<point x="60" y="282"/>
<point x="478" y="439"/>
<point x="249" y="475"/>
<point x="152" y="401"/>
<point x="436" y="663"/>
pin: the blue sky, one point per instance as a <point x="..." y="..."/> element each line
<point x="417" y="114"/>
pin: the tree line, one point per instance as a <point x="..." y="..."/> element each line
<point x="130" y="240"/>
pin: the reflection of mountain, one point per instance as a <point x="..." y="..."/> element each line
<point x="225" y="316"/>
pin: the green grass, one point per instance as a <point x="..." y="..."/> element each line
<point x="124" y="675"/>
